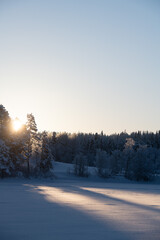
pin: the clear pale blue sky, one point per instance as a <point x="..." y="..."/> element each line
<point x="81" y="65"/>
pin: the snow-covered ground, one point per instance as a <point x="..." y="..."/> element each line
<point x="70" y="208"/>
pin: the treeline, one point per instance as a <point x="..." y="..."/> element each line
<point x="28" y="152"/>
<point x="136" y="156"/>
<point x="24" y="152"/>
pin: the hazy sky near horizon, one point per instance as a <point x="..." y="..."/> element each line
<point x="81" y="65"/>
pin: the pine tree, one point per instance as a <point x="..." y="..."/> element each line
<point x="46" y="161"/>
<point x="17" y="149"/>
<point x="36" y="155"/>
<point x="31" y="139"/>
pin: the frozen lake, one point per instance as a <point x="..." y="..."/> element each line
<point x="77" y="209"/>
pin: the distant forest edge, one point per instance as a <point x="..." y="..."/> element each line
<point x="27" y="152"/>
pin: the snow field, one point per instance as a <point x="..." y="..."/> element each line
<point x="70" y="208"/>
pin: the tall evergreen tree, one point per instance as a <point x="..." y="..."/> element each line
<point x="46" y="161"/>
<point x="4" y="123"/>
<point x="31" y="139"/>
<point x="103" y="163"/>
<point x="17" y="150"/>
<point x="80" y="165"/>
<point x="6" y="165"/>
<point x="129" y="154"/>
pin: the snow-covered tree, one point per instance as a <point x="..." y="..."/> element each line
<point x="103" y="163"/>
<point x="46" y="160"/>
<point x="142" y="168"/>
<point x="17" y="150"/>
<point x="4" y="123"/>
<point x="116" y="162"/>
<point x="129" y="154"/>
<point x="80" y="165"/>
<point x="6" y="165"/>
<point x="31" y="139"/>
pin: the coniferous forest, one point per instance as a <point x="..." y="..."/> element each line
<point x="27" y="152"/>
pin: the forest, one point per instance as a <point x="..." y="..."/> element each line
<point x="28" y="152"/>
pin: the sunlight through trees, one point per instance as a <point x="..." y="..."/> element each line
<point x="27" y="152"/>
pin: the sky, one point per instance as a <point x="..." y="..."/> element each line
<point x="81" y="65"/>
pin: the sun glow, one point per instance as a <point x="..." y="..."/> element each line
<point x="17" y="124"/>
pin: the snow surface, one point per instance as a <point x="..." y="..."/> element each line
<point x="72" y="208"/>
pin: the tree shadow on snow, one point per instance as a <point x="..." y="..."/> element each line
<point x="79" y="224"/>
<point x="64" y="222"/>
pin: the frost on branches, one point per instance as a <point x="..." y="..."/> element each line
<point x="46" y="160"/>
<point x="5" y="161"/>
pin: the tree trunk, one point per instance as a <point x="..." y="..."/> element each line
<point x="28" y="168"/>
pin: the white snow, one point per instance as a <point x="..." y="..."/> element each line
<point x="72" y="208"/>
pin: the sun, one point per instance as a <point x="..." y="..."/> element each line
<point x="17" y="124"/>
